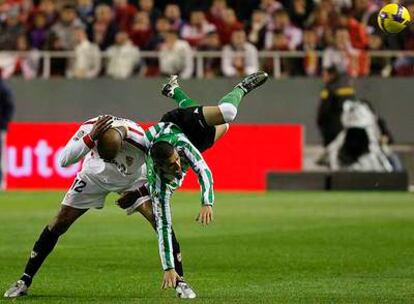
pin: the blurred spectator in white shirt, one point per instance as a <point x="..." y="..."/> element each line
<point x="281" y="22"/>
<point x="197" y="29"/>
<point x="239" y="57"/>
<point x="176" y="56"/>
<point x="341" y="55"/>
<point x="87" y="60"/>
<point x="122" y="57"/>
<point x="65" y="27"/>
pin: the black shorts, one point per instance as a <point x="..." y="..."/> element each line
<point x="191" y="121"/>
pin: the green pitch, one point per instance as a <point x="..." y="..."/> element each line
<point x="262" y="248"/>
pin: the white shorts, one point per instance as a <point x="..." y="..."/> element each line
<point x="85" y="193"/>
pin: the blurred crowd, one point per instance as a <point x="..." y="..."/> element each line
<point x="107" y="36"/>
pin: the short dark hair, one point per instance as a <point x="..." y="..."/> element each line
<point x="161" y="151"/>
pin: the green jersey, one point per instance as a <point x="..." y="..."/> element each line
<point x="161" y="186"/>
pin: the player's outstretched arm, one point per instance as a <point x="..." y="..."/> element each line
<point x="83" y="141"/>
<point x="161" y="196"/>
<point x="205" y="179"/>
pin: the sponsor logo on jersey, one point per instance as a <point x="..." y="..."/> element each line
<point x="79" y="135"/>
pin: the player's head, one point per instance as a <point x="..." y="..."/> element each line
<point x="166" y="158"/>
<point x="110" y="143"/>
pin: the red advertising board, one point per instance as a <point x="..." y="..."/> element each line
<point x="239" y="160"/>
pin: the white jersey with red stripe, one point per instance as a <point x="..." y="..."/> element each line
<point x="118" y="174"/>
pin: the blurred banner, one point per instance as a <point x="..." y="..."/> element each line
<point x="239" y="160"/>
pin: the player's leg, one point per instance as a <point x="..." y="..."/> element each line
<point x="83" y="195"/>
<point x="226" y="111"/>
<point x="172" y="89"/>
<point x="43" y="247"/>
<point x="220" y="131"/>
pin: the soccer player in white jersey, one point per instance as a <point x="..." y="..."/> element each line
<point x="174" y="145"/>
<point x="113" y="150"/>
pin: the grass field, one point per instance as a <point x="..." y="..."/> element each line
<point x="262" y="248"/>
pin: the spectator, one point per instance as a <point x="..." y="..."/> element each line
<point x="217" y="11"/>
<point x="122" y="57"/>
<point x="124" y="14"/>
<point x="176" y="56"/>
<point x="21" y="64"/>
<point x="6" y="115"/>
<point x="173" y="14"/>
<point x="364" y="10"/>
<point x="379" y="66"/>
<point x="342" y="55"/>
<point x="102" y="31"/>
<point x="196" y="30"/>
<point x="289" y="66"/>
<point x="162" y="26"/>
<point x="66" y="26"/>
<point x="281" y="22"/>
<point x="270" y="7"/>
<point x="11" y="30"/>
<point x="240" y="57"/>
<point x="357" y="31"/>
<point x="256" y="30"/>
<point x="57" y="64"/>
<point x="48" y="9"/>
<point x="212" y="66"/>
<point x="228" y="25"/>
<point x="299" y="11"/>
<point x="141" y="31"/>
<point x="320" y="21"/>
<point x="85" y="10"/>
<point x="148" y="6"/>
<point x="87" y="61"/>
<point x="39" y="33"/>
<point x="310" y="64"/>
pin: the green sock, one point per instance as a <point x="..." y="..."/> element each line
<point x="234" y="97"/>
<point x="183" y="100"/>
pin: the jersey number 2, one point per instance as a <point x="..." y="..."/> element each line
<point x="78" y="185"/>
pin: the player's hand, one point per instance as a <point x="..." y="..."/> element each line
<point x="170" y="279"/>
<point x="127" y="199"/>
<point x="101" y="125"/>
<point x="205" y="216"/>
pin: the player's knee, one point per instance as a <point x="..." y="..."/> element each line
<point x="228" y="111"/>
<point x="60" y="226"/>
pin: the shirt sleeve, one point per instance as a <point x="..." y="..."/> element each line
<point x="161" y="196"/>
<point x="77" y="147"/>
<point x="136" y="137"/>
<point x="200" y="167"/>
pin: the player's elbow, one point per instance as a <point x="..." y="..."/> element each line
<point x="63" y="160"/>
